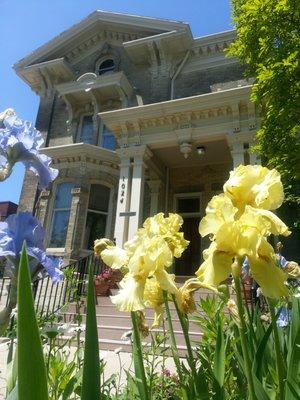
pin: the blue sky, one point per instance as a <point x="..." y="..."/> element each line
<point x="26" y="25"/>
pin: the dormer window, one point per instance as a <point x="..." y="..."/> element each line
<point x="106" y="66"/>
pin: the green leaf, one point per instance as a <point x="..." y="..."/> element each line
<point x="12" y="369"/>
<point x="293" y="373"/>
<point x="293" y="390"/>
<point x="259" y="356"/>
<point x="219" y="357"/>
<point x="32" y="378"/>
<point x="260" y="392"/>
<point x="140" y="376"/>
<point x="91" y="366"/>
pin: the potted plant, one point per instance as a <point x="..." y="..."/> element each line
<point x="102" y="283"/>
<point x="106" y="280"/>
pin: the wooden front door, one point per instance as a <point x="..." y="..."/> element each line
<point x="190" y="259"/>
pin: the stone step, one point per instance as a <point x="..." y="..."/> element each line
<point x="115" y="332"/>
<point x="113" y="324"/>
<point x="122" y="320"/>
<point x="125" y="346"/>
<point x="111" y="309"/>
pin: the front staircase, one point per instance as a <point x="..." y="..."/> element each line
<point x="113" y="325"/>
<point x="60" y="299"/>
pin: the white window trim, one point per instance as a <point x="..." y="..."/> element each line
<point x="109" y="213"/>
<point x="193" y="195"/>
<point x="51" y="216"/>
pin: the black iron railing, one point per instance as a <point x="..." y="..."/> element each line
<point x="50" y="297"/>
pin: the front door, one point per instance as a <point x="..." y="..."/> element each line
<point x="190" y="259"/>
<point x="188" y="206"/>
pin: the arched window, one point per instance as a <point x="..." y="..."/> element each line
<point x="61" y="214"/>
<point x="106" y="66"/>
<point x="97" y="215"/>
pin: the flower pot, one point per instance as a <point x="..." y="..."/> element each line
<point x="101" y="287"/>
<point x="116" y="276"/>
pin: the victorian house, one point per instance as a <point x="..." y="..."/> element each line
<point x="139" y="117"/>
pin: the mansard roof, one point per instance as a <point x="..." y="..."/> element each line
<point x="132" y="27"/>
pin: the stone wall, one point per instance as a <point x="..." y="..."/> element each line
<point x="209" y="80"/>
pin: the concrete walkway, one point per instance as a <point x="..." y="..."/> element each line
<point x="116" y="362"/>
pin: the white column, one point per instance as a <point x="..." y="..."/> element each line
<point x="154" y="186"/>
<point x="237" y="153"/>
<point x="123" y="202"/>
<point x="141" y="153"/>
<point x="137" y="195"/>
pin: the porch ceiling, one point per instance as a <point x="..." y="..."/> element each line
<point x="216" y="152"/>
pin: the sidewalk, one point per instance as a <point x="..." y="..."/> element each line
<point x="111" y="359"/>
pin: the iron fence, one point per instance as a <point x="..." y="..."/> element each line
<point x="50" y="297"/>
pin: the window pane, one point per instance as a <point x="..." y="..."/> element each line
<point x="63" y="196"/>
<point x="87" y="130"/>
<point x="99" y="198"/>
<point x="106" y="66"/>
<point x="95" y="228"/>
<point x="108" y="140"/>
<point x="59" y="228"/>
<point x="188" y="205"/>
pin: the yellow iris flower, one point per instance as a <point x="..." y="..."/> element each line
<point x="146" y="257"/>
<point x="153" y="298"/>
<point x="185" y="299"/>
<point x="256" y="186"/>
<point x="239" y="222"/>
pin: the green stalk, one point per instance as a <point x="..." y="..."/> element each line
<point x="138" y="360"/>
<point x="173" y="343"/>
<point x="242" y="330"/>
<point x="172" y="336"/>
<point x="281" y="370"/>
<point x="186" y="336"/>
<point x="185" y="331"/>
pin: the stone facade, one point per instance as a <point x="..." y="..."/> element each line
<point x="163" y="95"/>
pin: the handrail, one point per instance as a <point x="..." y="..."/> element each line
<point x="50" y="297"/>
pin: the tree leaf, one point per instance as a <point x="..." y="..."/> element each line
<point x="32" y="378"/>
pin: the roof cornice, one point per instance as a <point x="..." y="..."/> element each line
<point x="83" y="151"/>
<point x="146" y="23"/>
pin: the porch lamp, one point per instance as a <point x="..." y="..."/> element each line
<point x="201" y="150"/>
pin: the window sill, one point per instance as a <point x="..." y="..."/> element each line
<point x="56" y="251"/>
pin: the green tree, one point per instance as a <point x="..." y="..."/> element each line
<point x="268" y="44"/>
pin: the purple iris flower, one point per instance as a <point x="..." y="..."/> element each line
<point x="20" y="141"/>
<point x="13" y="232"/>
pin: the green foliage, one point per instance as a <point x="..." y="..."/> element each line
<point x="268" y="44"/>
<point x="217" y="371"/>
<point x="91" y="367"/>
<point x="32" y="379"/>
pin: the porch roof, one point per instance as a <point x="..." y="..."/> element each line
<point x="115" y="118"/>
<point x="179" y="120"/>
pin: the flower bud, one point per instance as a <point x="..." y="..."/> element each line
<point x="223" y="292"/>
<point x="101" y="244"/>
